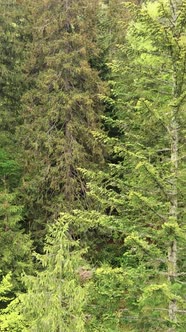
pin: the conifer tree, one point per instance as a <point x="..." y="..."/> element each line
<point x="61" y="108"/>
<point x="12" y="84"/>
<point x="15" y="245"/>
<point x="10" y="318"/>
<point x="55" y="297"/>
<point x="159" y="34"/>
<point x="140" y="197"/>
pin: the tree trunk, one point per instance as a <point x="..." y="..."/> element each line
<point x="173" y="215"/>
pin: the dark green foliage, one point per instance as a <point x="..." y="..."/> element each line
<point x="12" y="84"/>
<point x="108" y="160"/>
<point x="15" y="245"/>
<point x="60" y="110"/>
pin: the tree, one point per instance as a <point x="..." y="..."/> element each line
<point x="139" y="197"/>
<point x="15" y="245"/>
<point x="55" y="297"/>
<point x="61" y="108"/>
<point x="10" y="318"/>
<point x="12" y="83"/>
<point x="157" y="34"/>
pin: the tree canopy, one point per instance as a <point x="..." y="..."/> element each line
<point x="92" y="151"/>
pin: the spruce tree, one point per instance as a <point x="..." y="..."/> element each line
<point x="12" y="83"/>
<point x="156" y="142"/>
<point x="61" y="109"/>
<point x="10" y="318"/>
<point x="56" y="296"/>
<point x="139" y="198"/>
<point x="15" y="245"/>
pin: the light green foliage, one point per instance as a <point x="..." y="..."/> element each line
<point x="136" y="195"/>
<point x="15" y="255"/>
<point x="107" y="299"/>
<point x="10" y="318"/>
<point x="55" y="297"/>
<point x="5" y="287"/>
<point x="129" y="212"/>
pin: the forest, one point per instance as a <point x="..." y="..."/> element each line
<point x="92" y="165"/>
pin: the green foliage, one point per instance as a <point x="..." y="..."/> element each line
<point x="107" y="299"/>
<point x="12" y="84"/>
<point x="61" y="109"/>
<point x="117" y="178"/>
<point x="15" y="245"/>
<point x="9" y="170"/>
<point x="10" y="318"/>
<point x="135" y="197"/>
<point x="55" y="297"/>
